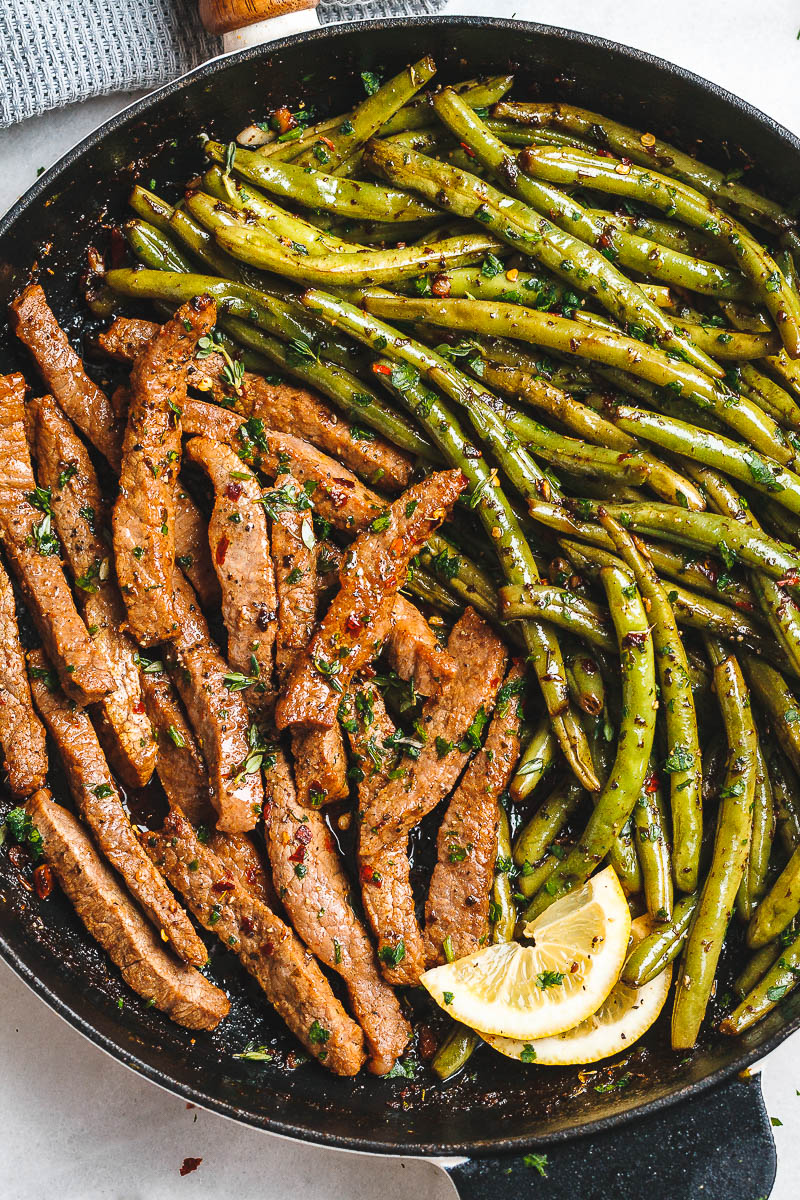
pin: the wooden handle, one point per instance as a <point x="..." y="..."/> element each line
<point x="222" y="16"/>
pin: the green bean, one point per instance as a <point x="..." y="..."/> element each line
<point x="770" y="396"/>
<point x="634" y="743"/>
<point x="516" y="559"/>
<point x="661" y="947"/>
<point x="566" y="166"/>
<point x="537" y="836"/>
<point x="762" y="473"/>
<point x="652" y="848"/>
<point x="778" y="908"/>
<point x="505" y="914"/>
<point x="535" y="761"/>
<point x="455" y="1051"/>
<point x="650" y="151"/>
<point x="683" y="762"/>
<point x="732" y="842"/>
<point x="786" y="798"/>
<point x="529" y="233"/>
<point x="585" y="683"/>
<point x="756" y="968"/>
<point x="151" y="208"/>
<point x="350" y="198"/>
<point x="478" y="94"/>
<point x="201" y="244"/>
<point x="778" y="702"/>
<point x="622" y="856"/>
<point x="573" y="455"/>
<point x="335" y="152"/>
<point x="561" y="607"/>
<point x="154" y="248"/>
<point x="571" y="337"/>
<point x="665" y="233"/>
<point x="426" y="588"/>
<point x="778" y="982"/>
<point x="754" y="882"/>
<point x="470" y="582"/>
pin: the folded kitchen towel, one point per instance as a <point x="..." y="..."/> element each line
<point x="54" y="52"/>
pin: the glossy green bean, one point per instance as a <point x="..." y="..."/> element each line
<point x="754" y="882"/>
<point x="535" y="761"/>
<point x="455" y="1051"/>
<point x="505" y="914"/>
<point x="154" y="248"/>
<point x="778" y="908"/>
<point x="634" y="743"/>
<point x="781" y="979"/>
<point x="661" y="947"/>
<point x="779" y="703"/>
<point x="734" y="827"/>
<point x="539" y="834"/>
<point x="563" y="608"/>
<point x="585" y="682"/>
<point x="756" y="968"/>
<point x="786" y="800"/>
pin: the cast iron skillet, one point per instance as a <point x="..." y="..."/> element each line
<point x="499" y="1107"/>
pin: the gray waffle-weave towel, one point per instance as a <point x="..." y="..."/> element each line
<point x="54" y="52"/>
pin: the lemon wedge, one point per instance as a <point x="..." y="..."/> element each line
<point x="623" y="1017"/>
<point x="552" y="982"/>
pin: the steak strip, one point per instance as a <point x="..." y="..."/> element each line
<point x="339" y="495"/>
<point x="65" y="468"/>
<point x="144" y="514"/>
<point x="192" y="553"/>
<point x="309" y="877"/>
<point x="359" y="616"/>
<point x="95" y="793"/>
<point x="320" y="764"/>
<point x="217" y="714"/>
<point x="284" y="407"/>
<point x="240" y="854"/>
<point x="179" y="762"/>
<point x="61" y="368"/>
<point x="114" y="921"/>
<point x="386" y="874"/>
<point x="33" y="554"/>
<point x="265" y="945"/>
<point x="415" y="652"/>
<point x="240" y="551"/>
<point x="22" y="737"/>
<point x="458" y="898"/>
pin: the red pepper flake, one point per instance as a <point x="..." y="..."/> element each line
<point x="636" y="638"/>
<point x="299" y="855"/>
<point x="381" y="369"/>
<point x="368" y="875"/>
<point x="303" y="834"/>
<point x="440" y="286"/>
<point x="327" y="142"/>
<point x="791" y="580"/>
<point x="247" y="925"/>
<point x="43" y="881"/>
<point x="353" y="624"/>
<point x="283" y="119"/>
<point x="139" y="706"/>
<point x="190" y="1164"/>
<point x="234" y="490"/>
<point x="222" y="549"/>
<point x="652" y="784"/>
<point x="224" y="885"/>
<point x="467" y="149"/>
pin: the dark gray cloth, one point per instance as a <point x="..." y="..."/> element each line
<point x="54" y="52"/>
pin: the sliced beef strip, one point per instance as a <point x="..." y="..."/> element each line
<point x="64" y="466"/>
<point x="180" y="765"/>
<point x="240" y="854"/>
<point x="240" y="550"/>
<point x="415" y="652"/>
<point x="33" y="555"/>
<point x="480" y="659"/>
<point x="115" y="922"/>
<point x="317" y="902"/>
<point x="218" y="716"/>
<point x="96" y="796"/>
<point x="22" y="738"/>
<point x="458" y="898"/>
<point x="62" y="370"/>
<point x="284" y="407"/>
<point x="319" y="757"/>
<point x="265" y="945"/>
<point x="359" y="616"/>
<point x="192" y="552"/>
<point x="339" y="495"/>
<point x="385" y="874"/>
<point x="144" y="513"/>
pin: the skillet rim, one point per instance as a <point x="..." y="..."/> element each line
<point x="10" y="954"/>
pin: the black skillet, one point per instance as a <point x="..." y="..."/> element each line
<point x="716" y="1142"/>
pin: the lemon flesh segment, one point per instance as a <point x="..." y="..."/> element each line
<point x="552" y="982"/>
<point x="623" y="1017"/>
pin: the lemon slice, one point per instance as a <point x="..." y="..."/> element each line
<point x="623" y="1017"/>
<point x="555" y="980"/>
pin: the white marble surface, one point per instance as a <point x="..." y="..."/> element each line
<point x="78" y="1125"/>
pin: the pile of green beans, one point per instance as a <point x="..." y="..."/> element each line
<point x="603" y="334"/>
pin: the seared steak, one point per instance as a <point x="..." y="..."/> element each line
<point x="415" y="652"/>
<point x="218" y="716"/>
<point x="95" y="793"/>
<point x="461" y="885"/>
<point x="65" y="468"/>
<point x="179" y="762"/>
<point x="62" y="370"/>
<point x="22" y="740"/>
<point x="240" y="551"/>
<point x="312" y="883"/>
<point x="192" y="553"/>
<point x="385" y="875"/>
<point x="266" y="947"/>
<point x="34" y="556"/>
<point x="359" y="617"/>
<point x="240" y="854"/>
<point x="144" y="514"/>
<point x="126" y="338"/>
<point x="115" y="922"/>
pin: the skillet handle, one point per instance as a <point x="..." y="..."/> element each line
<point x="718" y="1145"/>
